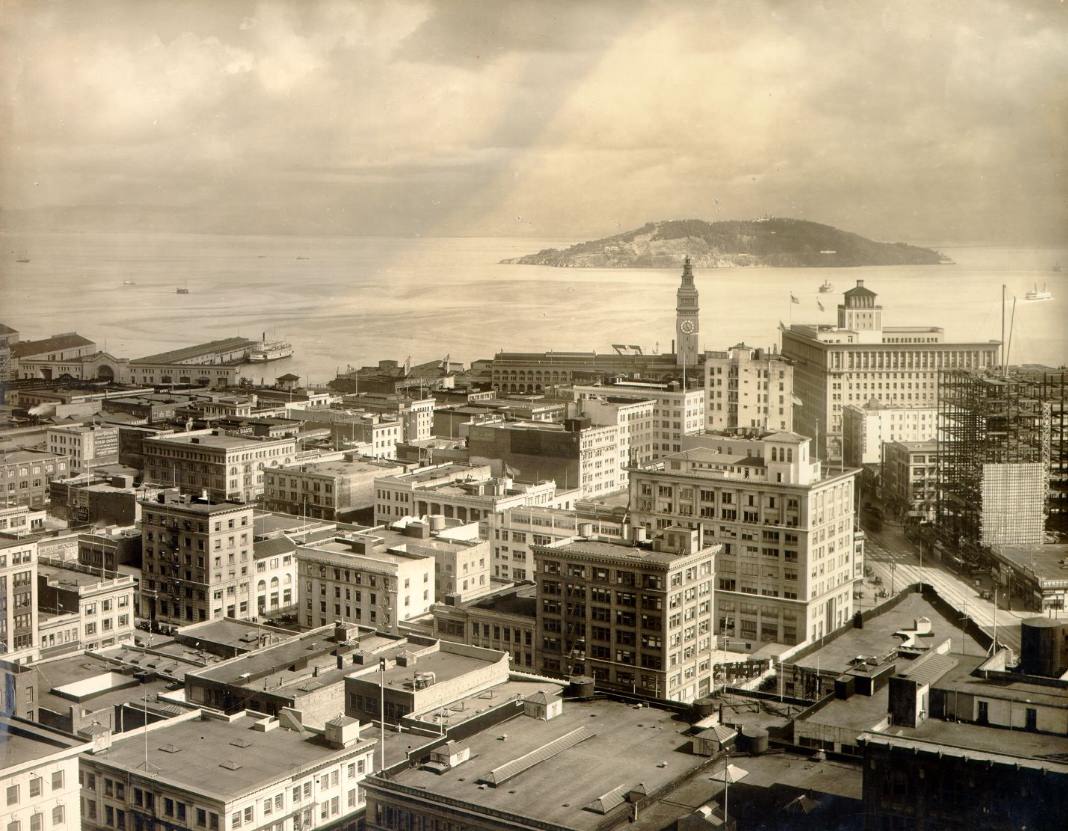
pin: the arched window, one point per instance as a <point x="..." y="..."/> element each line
<point x="261" y="586"/>
<point x="274" y="583"/>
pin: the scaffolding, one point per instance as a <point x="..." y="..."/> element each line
<point x="994" y="459"/>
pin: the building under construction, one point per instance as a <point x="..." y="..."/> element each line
<point x="1001" y="463"/>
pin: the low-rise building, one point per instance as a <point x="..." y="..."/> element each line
<point x="25" y="475"/>
<point x="866" y="428"/>
<point x="506" y="619"/>
<point x="39" y="776"/>
<point x="749" y="389"/>
<point x="224" y="772"/>
<point x="105" y="605"/>
<point x="677" y="412"/>
<point x="415" y="414"/>
<point x="513" y="532"/>
<point x="910" y="478"/>
<point x="341" y="489"/>
<point x="18" y="520"/>
<point x="468" y="493"/>
<point x="275" y="591"/>
<point x="224" y="466"/>
<point x="85" y="445"/>
<point x="367" y="577"/>
<point x="633" y="617"/>
<point x="414" y="684"/>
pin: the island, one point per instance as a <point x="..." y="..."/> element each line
<point x="772" y="242"/>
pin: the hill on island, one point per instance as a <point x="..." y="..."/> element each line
<point x="775" y="242"/>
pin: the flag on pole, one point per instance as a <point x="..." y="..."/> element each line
<point x="782" y="326"/>
<point x="821" y="306"/>
<point x="794" y="299"/>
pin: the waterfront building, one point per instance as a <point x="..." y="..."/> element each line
<point x="222" y="465"/>
<point x="39" y="776"/>
<point x="677" y="412"/>
<point x="223" y="772"/>
<point x="468" y="493"/>
<point x="748" y="389"/>
<point x="633" y="617"/>
<point x="63" y="348"/>
<point x="910" y="478"/>
<point x="104" y="605"/>
<point x="861" y="358"/>
<point x="515" y="531"/>
<point x="198" y="560"/>
<point x="84" y="445"/>
<point x="376" y="577"/>
<point x="536" y="372"/>
<point x="25" y="476"/>
<point x="339" y="489"/>
<point x="865" y="428"/>
<point x="786" y="525"/>
<point x="19" y="639"/>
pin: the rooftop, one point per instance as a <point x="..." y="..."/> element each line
<point x="957" y="674"/>
<point x="445" y="665"/>
<point x="237" y="634"/>
<point x="99" y="684"/>
<point x="69" y="578"/>
<point x="647" y="746"/>
<point x="520" y="600"/>
<point x="187" y="353"/>
<point x="877" y="638"/>
<point x="598" y="549"/>
<point x="195" y="506"/>
<point x="1043" y="561"/>
<point x="225" y="441"/>
<point x="223" y="757"/>
<point x="25" y="741"/>
<point x="68" y="340"/>
<point x="273" y="547"/>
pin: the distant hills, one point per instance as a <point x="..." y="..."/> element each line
<point x="774" y="242"/>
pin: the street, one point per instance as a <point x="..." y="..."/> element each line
<point x="896" y="562"/>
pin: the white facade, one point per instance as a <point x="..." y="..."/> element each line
<point x="39" y="781"/>
<point x="676" y="412"/>
<point x="865" y="429"/>
<point x="748" y="388"/>
<point x="19" y="633"/>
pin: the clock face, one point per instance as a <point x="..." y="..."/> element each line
<point x="687" y="327"/>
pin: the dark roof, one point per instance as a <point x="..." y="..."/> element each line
<point x="201" y="349"/>
<point x="289" y="376"/>
<point x="273" y="547"/>
<point x="860" y="291"/>
<point x="67" y="340"/>
<point x="7" y="330"/>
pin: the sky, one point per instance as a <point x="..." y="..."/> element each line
<point x="914" y="121"/>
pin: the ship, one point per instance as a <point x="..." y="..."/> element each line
<point x="827" y="287"/>
<point x="1035" y="294"/>
<point x="274" y="350"/>
<point x="181" y="290"/>
<point x="129" y="283"/>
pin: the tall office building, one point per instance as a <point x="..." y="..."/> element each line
<point x="18" y="601"/>
<point x="861" y="358"/>
<point x="198" y="560"/>
<point x="789" y="556"/>
<point x="748" y="389"/>
<point x="634" y="617"/>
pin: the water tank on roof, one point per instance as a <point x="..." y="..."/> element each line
<point x="582" y="686"/>
<point x="1044" y="647"/>
<point x="754" y="739"/>
<point x="437" y="523"/>
<point x="704" y="707"/>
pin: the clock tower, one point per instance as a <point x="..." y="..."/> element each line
<point x="687" y="324"/>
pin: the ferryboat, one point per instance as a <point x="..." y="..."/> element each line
<point x="274" y="350"/>
<point x="129" y="283"/>
<point x="1035" y="294"/>
<point x="827" y="287"/>
<point x="181" y="291"/>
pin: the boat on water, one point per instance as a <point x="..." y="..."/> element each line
<point x="827" y="287"/>
<point x="129" y="283"/>
<point x="23" y="260"/>
<point x="1035" y="294"/>
<point x="273" y="350"/>
<point x="181" y="290"/>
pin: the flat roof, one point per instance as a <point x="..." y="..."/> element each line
<point x="1004" y="686"/>
<point x="196" y="351"/>
<point x="991" y="743"/>
<point x="196" y="506"/>
<point x="69" y="578"/>
<point x="24" y="741"/>
<point x="877" y="637"/>
<point x="298" y="649"/>
<point x="241" y="634"/>
<point x="62" y="673"/>
<point x="341" y="466"/>
<point x="224" y="758"/>
<point x="444" y="665"/>
<point x="858" y="712"/>
<point x="557" y="789"/>
<point x="273" y="547"/>
<point x="522" y="600"/>
<point x="264" y="523"/>
<point x="225" y="440"/>
<point x="618" y="551"/>
<point x="1043" y="561"/>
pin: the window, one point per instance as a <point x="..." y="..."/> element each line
<point x="12" y="794"/>
<point x="57" y="815"/>
<point x="35" y="786"/>
<point x="57" y="780"/>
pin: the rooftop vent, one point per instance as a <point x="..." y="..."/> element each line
<point x="170" y="748"/>
<point x="230" y="764"/>
<point x="242" y="743"/>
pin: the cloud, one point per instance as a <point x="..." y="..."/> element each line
<point x="903" y="121"/>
